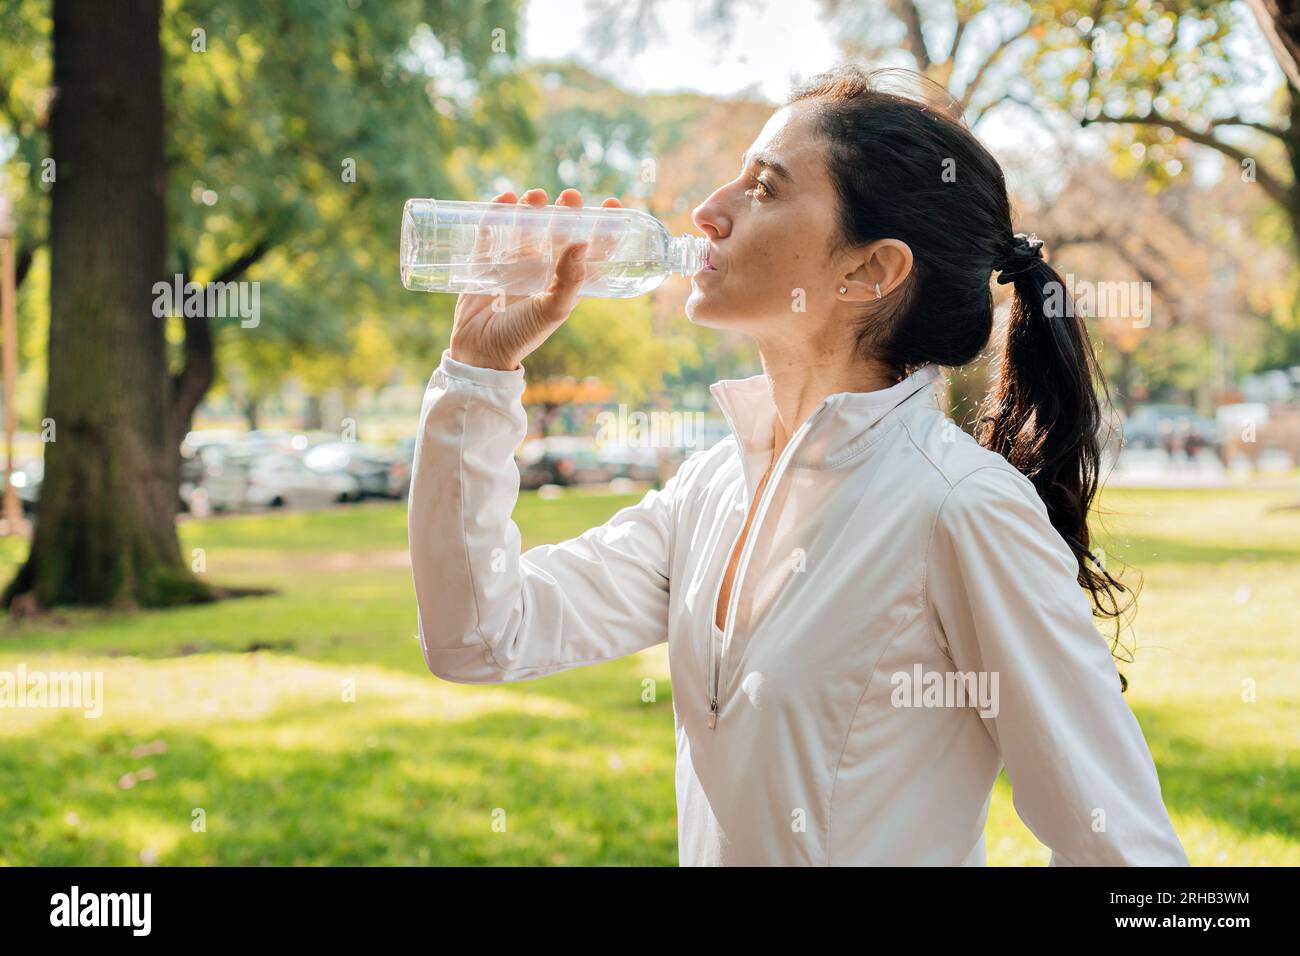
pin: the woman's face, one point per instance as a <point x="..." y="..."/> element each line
<point x="771" y="228"/>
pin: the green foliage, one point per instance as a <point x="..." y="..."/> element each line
<point x="305" y="126"/>
<point x="24" y="104"/>
<point x="295" y="131"/>
<point x="616" y="340"/>
<point x="1152" y="60"/>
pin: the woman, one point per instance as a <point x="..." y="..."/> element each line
<point x="868" y="611"/>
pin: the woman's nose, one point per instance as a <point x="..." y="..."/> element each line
<point x="710" y="219"/>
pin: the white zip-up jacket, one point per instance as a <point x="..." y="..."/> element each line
<point x="892" y="563"/>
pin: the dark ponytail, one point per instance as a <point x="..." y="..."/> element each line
<point x="906" y="167"/>
<point x="1043" y="415"/>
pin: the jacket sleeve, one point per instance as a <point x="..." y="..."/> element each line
<point x="487" y="613"/>
<point x="1002" y="584"/>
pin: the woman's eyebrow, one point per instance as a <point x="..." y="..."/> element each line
<point x="768" y="162"/>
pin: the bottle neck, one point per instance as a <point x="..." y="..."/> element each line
<point x="686" y="254"/>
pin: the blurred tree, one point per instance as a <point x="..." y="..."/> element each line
<point x="969" y="48"/>
<point x="293" y="134"/>
<point x="25" y="95"/>
<point x="106" y="531"/>
<point x="973" y="49"/>
<point x="1167" y="77"/>
<point x="295" y="138"/>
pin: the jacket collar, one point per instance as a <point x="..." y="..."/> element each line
<point x="843" y="425"/>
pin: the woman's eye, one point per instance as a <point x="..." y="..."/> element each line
<point x="760" y="188"/>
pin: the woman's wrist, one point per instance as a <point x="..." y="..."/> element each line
<point x="482" y="361"/>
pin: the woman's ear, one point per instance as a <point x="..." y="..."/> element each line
<point x="883" y="264"/>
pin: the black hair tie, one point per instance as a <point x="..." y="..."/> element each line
<point x="1018" y="257"/>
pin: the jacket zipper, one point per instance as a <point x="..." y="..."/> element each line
<point x="715" y="675"/>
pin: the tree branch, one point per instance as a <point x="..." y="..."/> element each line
<point x="1275" y="131"/>
<point x="1100" y="237"/>
<point x="956" y="38"/>
<point x="194" y="379"/>
<point x="1008" y="98"/>
<point x="238" y="266"/>
<point x="1277" y="21"/>
<point x="1274" y="187"/>
<point x="907" y="12"/>
<point x="989" y="60"/>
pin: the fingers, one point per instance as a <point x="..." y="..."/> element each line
<point x="488" y="236"/>
<point x="501" y="237"/>
<point x="605" y="235"/>
<point x="555" y="304"/>
<point x="557" y="233"/>
<point x="526" y="239"/>
<point x="493" y="228"/>
<point x="564" y="233"/>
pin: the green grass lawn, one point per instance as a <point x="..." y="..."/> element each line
<point x="303" y="728"/>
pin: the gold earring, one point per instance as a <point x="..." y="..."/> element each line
<point x="843" y="289"/>
<point x="877" y="290"/>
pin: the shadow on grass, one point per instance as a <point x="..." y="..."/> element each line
<point x="1254" y="790"/>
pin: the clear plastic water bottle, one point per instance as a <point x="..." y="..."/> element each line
<point x="511" y="248"/>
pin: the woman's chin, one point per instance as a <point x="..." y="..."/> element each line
<point x="703" y="308"/>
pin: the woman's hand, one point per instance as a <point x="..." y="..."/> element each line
<point x="500" y="330"/>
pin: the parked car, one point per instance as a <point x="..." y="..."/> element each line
<point x="1161" y="425"/>
<point x="534" y="470"/>
<point x="560" y="460"/>
<point x="277" y="438"/>
<point x="196" y="449"/>
<point x="399" y="470"/>
<point x="369" y="465"/>
<point x="634" y="462"/>
<point x="239" y="478"/>
<point x="201" y="437"/>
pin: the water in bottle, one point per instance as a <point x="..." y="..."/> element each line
<point x="511" y="248"/>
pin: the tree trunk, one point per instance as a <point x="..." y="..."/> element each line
<point x="1127" y="370"/>
<point x="195" y="377"/>
<point x="311" y="413"/>
<point x="106" y="533"/>
<point x="1280" y="22"/>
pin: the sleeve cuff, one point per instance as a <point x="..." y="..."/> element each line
<point x="487" y="377"/>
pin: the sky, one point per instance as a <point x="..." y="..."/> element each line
<point x="788" y="40"/>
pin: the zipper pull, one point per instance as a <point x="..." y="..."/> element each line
<point x="713" y="713"/>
